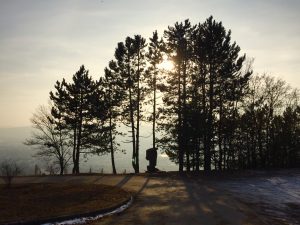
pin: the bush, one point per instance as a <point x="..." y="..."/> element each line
<point x="8" y="170"/>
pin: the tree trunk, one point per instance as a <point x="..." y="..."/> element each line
<point x="137" y="134"/>
<point x="154" y="110"/>
<point x="78" y="148"/>
<point x="74" y="150"/>
<point x="220" y="134"/>
<point x="197" y="148"/>
<point x="132" y="130"/>
<point x="79" y="135"/>
<point x="111" y="145"/>
<point x="61" y="166"/>
<point x="137" y="169"/>
<point x="179" y="124"/>
<point x="185" y="147"/>
<point x="207" y="152"/>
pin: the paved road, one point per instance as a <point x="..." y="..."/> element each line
<point x="169" y="200"/>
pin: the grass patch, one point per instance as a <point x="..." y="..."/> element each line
<point x="29" y="202"/>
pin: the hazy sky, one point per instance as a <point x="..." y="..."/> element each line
<point x="43" y="41"/>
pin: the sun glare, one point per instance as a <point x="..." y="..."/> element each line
<point x="166" y="64"/>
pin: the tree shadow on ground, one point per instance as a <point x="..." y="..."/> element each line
<point x="181" y="200"/>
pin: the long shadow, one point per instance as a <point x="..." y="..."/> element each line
<point x="116" y="220"/>
<point x="192" y="193"/>
<point x="218" y="204"/>
<point x="127" y="178"/>
<point x="170" y="202"/>
<point x="124" y="180"/>
<point x="98" y="178"/>
<point x="143" y="187"/>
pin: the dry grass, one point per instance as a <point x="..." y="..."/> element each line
<point x="41" y="201"/>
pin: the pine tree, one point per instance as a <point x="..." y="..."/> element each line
<point x="131" y="63"/>
<point x="73" y="102"/>
<point x="222" y="81"/>
<point x="178" y="47"/>
<point x="154" y="57"/>
<point x="114" y="96"/>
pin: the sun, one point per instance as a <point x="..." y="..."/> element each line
<point x="166" y="64"/>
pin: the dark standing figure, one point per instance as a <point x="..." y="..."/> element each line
<point x="151" y="155"/>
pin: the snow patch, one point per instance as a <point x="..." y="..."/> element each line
<point x="83" y="220"/>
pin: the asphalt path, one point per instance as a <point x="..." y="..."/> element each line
<point x="168" y="199"/>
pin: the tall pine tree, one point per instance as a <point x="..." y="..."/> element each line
<point x="73" y="102"/>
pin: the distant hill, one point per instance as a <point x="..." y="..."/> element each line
<point x="12" y="147"/>
<point x="11" y="142"/>
<point x="15" y="133"/>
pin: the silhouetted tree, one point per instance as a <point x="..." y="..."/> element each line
<point x="114" y="96"/>
<point x="130" y="60"/>
<point x="213" y="113"/>
<point x="8" y="170"/>
<point x="73" y="103"/>
<point x="286" y="149"/>
<point x="178" y="47"/>
<point x="51" y="138"/>
<point x="223" y="82"/>
<point x="154" y="58"/>
<point x="269" y="104"/>
<point x="203" y="92"/>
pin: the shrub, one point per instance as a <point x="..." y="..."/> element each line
<point x="8" y="170"/>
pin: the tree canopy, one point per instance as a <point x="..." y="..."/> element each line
<point x="209" y="111"/>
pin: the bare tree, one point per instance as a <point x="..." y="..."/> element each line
<point x="51" y="139"/>
<point x="8" y="170"/>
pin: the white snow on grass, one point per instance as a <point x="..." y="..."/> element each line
<point x="84" y="220"/>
